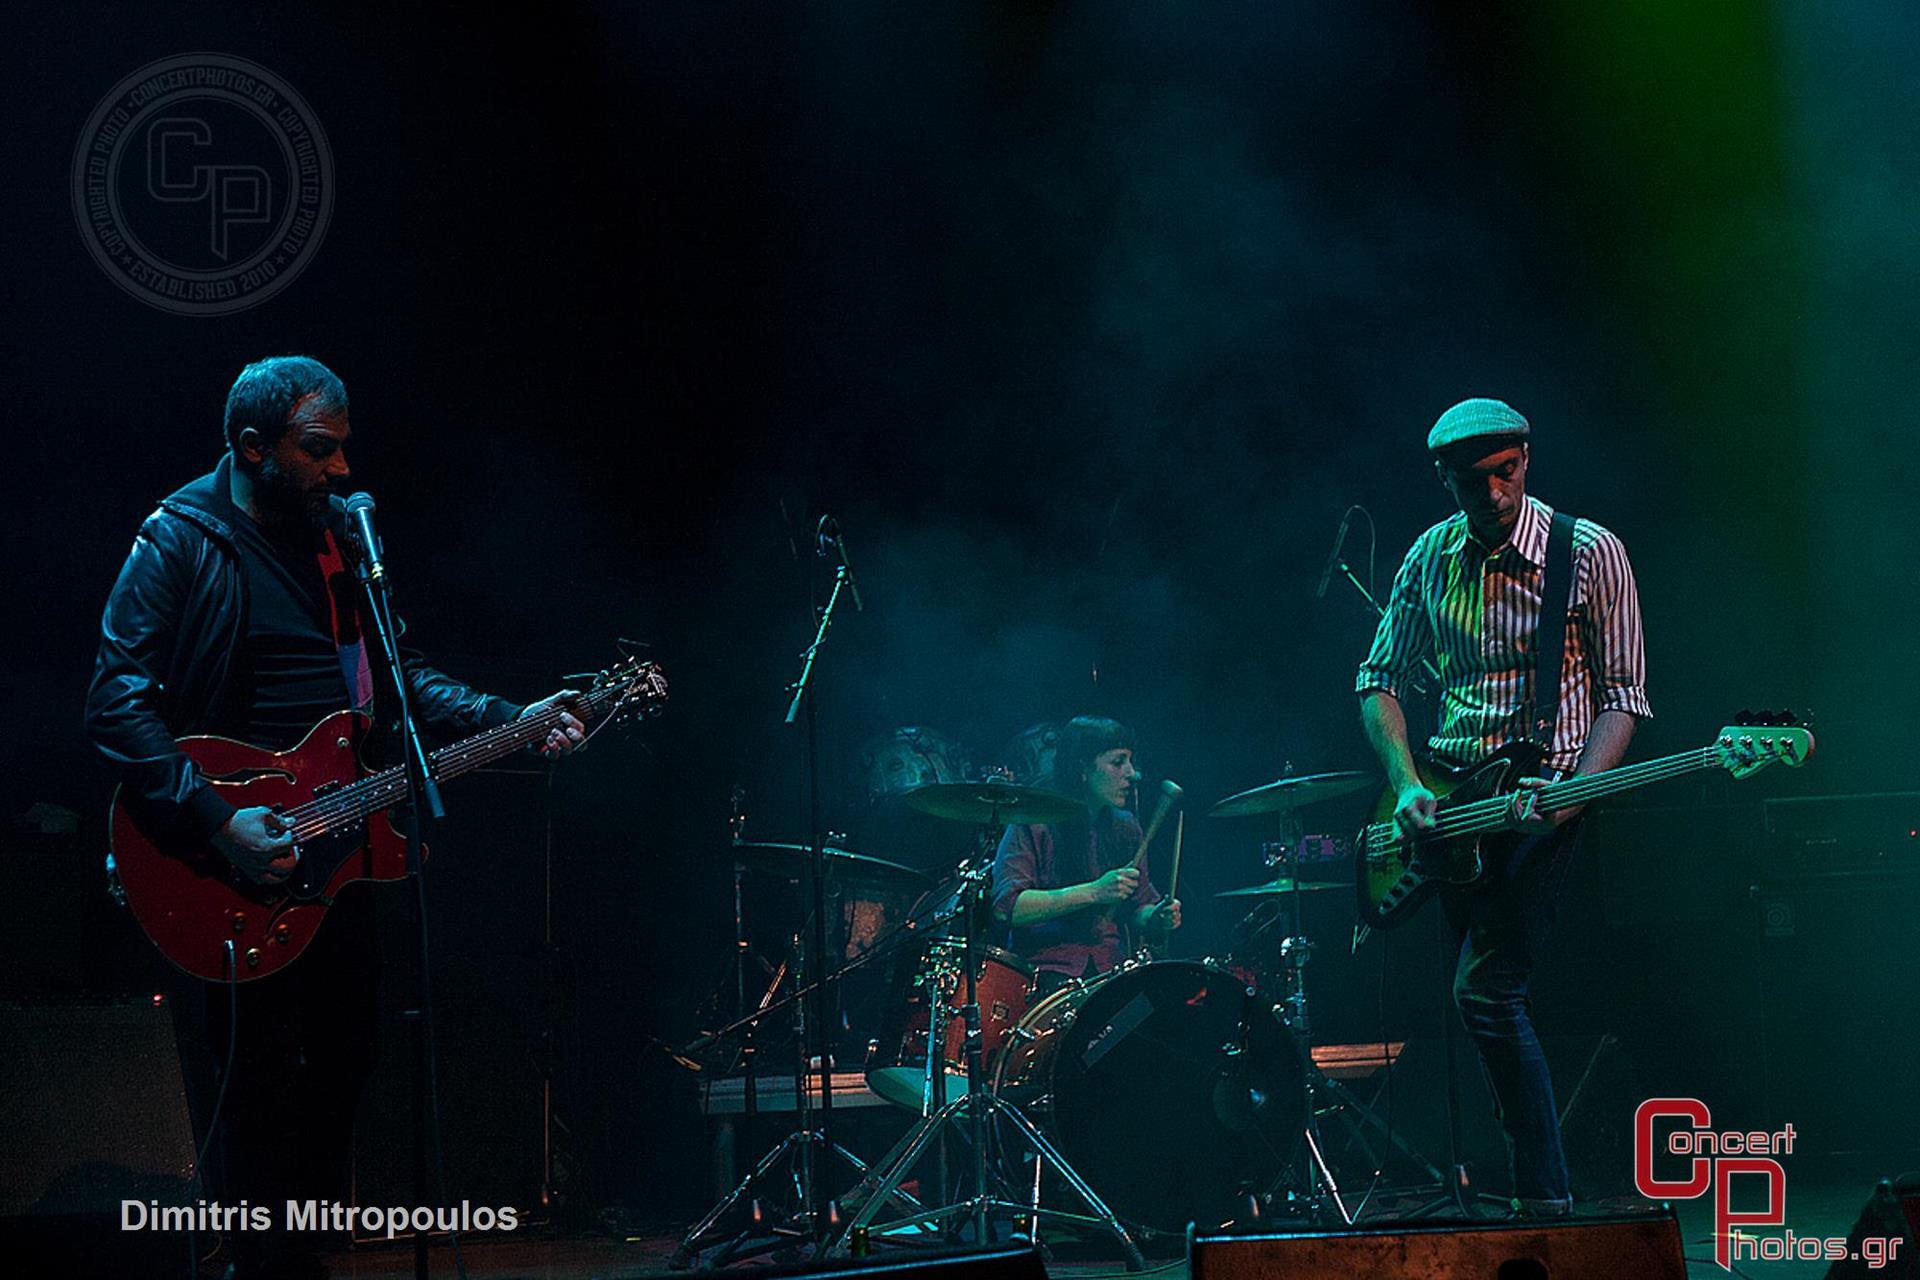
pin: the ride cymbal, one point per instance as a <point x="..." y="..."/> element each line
<point x="1282" y="885"/>
<point x="790" y="861"/>
<point x="1290" y="793"/>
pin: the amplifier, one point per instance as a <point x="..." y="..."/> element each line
<point x="1810" y="835"/>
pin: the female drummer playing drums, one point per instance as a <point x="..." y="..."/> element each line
<point x="1064" y="890"/>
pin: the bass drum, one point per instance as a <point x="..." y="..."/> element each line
<point x="1170" y="1086"/>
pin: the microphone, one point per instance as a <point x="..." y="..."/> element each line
<point x="827" y="534"/>
<point x="1333" y="556"/>
<point x="358" y="513"/>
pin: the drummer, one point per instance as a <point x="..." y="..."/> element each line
<point x="1065" y="890"/>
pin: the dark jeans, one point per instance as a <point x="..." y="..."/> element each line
<point x="1500" y="927"/>
<point x="305" y="1051"/>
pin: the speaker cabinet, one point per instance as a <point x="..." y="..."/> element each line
<point x="94" y="1108"/>
<point x="1644" y="1246"/>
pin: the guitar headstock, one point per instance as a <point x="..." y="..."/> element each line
<point x="1756" y="740"/>
<point x="631" y="689"/>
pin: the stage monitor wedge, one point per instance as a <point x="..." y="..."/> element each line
<point x="1645" y="1246"/>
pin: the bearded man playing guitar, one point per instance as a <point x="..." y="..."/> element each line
<point x="1472" y="593"/>
<point x="237" y="614"/>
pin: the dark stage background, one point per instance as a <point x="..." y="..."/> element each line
<point x="1087" y="322"/>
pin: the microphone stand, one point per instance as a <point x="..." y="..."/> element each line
<point x="1380" y="611"/>
<point x="423" y="797"/>
<point x="820" y="1200"/>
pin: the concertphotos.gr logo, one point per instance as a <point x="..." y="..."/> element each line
<point x="1713" y="1159"/>
<point x="202" y="184"/>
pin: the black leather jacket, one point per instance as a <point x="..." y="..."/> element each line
<point x="172" y="623"/>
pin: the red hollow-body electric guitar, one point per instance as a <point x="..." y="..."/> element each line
<point x="190" y="901"/>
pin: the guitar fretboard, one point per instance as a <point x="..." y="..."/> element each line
<point x="353" y="804"/>
<point x="1476" y="817"/>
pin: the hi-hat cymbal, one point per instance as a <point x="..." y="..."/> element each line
<point x="1282" y="885"/>
<point x="1289" y="793"/>
<point x="991" y="801"/>
<point x="790" y="861"/>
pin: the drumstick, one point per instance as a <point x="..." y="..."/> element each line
<point x="1169" y="792"/>
<point x="1173" y="881"/>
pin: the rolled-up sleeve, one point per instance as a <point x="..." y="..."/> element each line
<point x="1015" y="866"/>
<point x="1404" y="634"/>
<point x="1612" y="635"/>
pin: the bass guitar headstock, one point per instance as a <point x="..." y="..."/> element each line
<point x="1756" y="740"/>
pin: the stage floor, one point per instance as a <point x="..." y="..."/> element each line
<point x="1825" y="1203"/>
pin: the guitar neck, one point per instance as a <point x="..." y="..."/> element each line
<point x="1479" y="816"/>
<point x="359" y="801"/>
<point x="484" y="748"/>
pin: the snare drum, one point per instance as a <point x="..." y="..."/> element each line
<point x="1159" y="1066"/>
<point x="932" y="988"/>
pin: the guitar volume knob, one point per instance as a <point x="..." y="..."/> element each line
<point x="239" y="922"/>
<point x="253" y="957"/>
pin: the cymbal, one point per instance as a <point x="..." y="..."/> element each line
<point x="1290" y="792"/>
<point x="991" y="801"/>
<point x="1282" y="885"/>
<point x="790" y="860"/>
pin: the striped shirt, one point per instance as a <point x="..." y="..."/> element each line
<point x="1477" y="613"/>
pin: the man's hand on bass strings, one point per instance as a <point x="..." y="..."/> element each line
<point x="1414" y="810"/>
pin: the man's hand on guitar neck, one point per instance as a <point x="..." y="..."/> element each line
<point x="258" y="844"/>
<point x="570" y="735"/>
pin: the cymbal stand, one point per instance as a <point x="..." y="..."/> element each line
<point x="1323" y="1095"/>
<point x="975" y="1108"/>
<point x="1322" y="1200"/>
<point x="789" y="1168"/>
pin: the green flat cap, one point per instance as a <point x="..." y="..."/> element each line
<point x="1478" y="419"/>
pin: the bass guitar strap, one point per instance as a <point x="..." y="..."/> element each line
<point x="1556" y="595"/>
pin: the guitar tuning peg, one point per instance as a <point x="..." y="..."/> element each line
<point x="1743" y="716"/>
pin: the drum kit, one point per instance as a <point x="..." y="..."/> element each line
<point x="1095" y="1085"/>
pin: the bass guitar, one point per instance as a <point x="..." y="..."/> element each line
<point x="1397" y="872"/>
<point x="192" y="903"/>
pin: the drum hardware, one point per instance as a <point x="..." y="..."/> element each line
<point x="1293" y="954"/>
<point x="1028" y="758"/>
<point x="978" y="1112"/>
<point x="1323" y="1095"/>
<point x="903" y="760"/>
<point x="785" y="1169"/>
